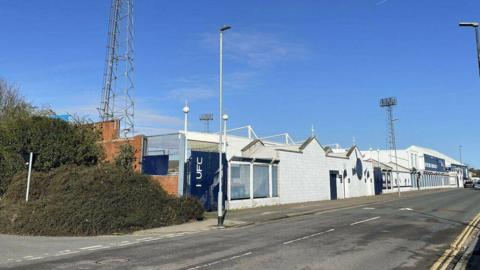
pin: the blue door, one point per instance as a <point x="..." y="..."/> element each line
<point x="378" y="180"/>
<point x="333" y="185"/>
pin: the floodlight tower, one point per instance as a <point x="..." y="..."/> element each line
<point x="206" y="117"/>
<point x="118" y="83"/>
<point x="388" y="104"/>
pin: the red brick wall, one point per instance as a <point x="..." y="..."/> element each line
<point x="112" y="147"/>
<point x="111" y="144"/>
<point x="168" y="182"/>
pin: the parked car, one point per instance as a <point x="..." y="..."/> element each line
<point x="468" y="184"/>
<point x="476" y="185"/>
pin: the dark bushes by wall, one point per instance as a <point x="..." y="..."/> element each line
<point x="79" y="200"/>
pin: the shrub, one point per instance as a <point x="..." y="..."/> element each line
<point x="126" y="157"/>
<point x="54" y="143"/>
<point x="80" y="200"/>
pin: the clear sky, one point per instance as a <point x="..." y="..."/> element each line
<point x="288" y="65"/>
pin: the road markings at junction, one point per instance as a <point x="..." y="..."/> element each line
<point x="444" y="261"/>
<point x="306" y="237"/>
<point x="220" y="261"/>
<point x="362" y="221"/>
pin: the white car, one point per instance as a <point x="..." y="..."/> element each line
<point x="476" y="185"/>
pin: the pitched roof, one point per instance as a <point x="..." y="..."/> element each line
<point x="251" y="144"/>
<point x="306" y="142"/>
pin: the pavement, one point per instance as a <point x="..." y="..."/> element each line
<point x="363" y="233"/>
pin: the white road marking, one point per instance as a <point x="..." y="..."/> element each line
<point x="406" y="209"/>
<point x="368" y="208"/>
<point x="66" y="253"/>
<point x="27" y="257"/>
<point x="308" y="236"/>
<point x="35" y="258"/>
<point x="125" y="242"/>
<point x="362" y="221"/>
<point x="220" y="261"/>
<point x="90" y="247"/>
<point x="146" y="238"/>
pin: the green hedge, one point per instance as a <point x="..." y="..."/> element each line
<point x="79" y="200"/>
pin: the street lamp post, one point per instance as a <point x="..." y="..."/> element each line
<point x="477" y="38"/>
<point x="225" y="119"/>
<point x="220" y="142"/>
<point x="460" y="152"/>
<point x="186" y="109"/>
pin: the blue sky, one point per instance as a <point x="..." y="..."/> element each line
<point x="288" y="65"/>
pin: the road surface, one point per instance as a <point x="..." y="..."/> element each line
<point x="409" y="233"/>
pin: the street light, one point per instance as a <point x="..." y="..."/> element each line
<point x="477" y="38"/>
<point x="220" y="163"/>
<point x="225" y="119"/>
<point x="186" y="109"/>
<point x="460" y="152"/>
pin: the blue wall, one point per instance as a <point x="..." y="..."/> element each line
<point x="155" y="165"/>
<point x="434" y="164"/>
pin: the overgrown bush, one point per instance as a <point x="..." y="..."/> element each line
<point x="80" y="200"/>
<point x="126" y="157"/>
<point x="54" y="143"/>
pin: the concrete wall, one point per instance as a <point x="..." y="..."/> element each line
<point x="350" y="185"/>
<point x="303" y="176"/>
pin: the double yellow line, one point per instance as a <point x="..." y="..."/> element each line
<point x="444" y="261"/>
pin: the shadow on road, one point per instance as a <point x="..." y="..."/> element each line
<point x="474" y="260"/>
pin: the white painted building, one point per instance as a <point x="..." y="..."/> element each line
<point x="419" y="168"/>
<point x="262" y="172"/>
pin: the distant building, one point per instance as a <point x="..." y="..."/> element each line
<point x="419" y="167"/>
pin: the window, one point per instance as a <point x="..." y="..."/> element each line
<point x="260" y="181"/>
<point x="274" y="181"/>
<point x="240" y="181"/>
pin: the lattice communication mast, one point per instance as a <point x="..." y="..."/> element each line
<point x="118" y="81"/>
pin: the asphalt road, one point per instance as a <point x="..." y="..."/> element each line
<point x="410" y="233"/>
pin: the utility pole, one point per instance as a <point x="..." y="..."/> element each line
<point x="388" y="104"/>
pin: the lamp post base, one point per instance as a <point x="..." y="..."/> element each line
<point x="220" y="222"/>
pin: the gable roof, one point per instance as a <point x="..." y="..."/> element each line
<point x="306" y="142"/>
<point x="351" y="150"/>
<point x="251" y="144"/>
